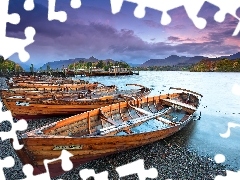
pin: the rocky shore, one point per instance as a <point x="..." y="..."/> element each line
<point x="170" y="157"/>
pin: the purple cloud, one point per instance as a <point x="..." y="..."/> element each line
<point x="92" y="30"/>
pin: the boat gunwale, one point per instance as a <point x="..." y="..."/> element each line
<point x="186" y="90"/>
<point x="32" y="133"/>
<point x="33" y="141"/>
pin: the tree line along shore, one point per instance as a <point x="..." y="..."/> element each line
<point x="205" y="65"/>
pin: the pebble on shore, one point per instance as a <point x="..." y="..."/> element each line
<point x="172" y="160"/>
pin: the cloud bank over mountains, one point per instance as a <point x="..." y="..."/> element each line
<point x="93" y="30"/>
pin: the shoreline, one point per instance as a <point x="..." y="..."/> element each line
<point x="171" y="160"/>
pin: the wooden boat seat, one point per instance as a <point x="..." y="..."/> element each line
<point x="152" y="108"/>
<point x="158" y="118"/>
<point x="106" y="118"/>
<point x="142" y="111"/>
<point x="133" y="113"/>
<point x="181" y="104"/>
<point x="127" y="125"/>
<point x="111" y="121"/>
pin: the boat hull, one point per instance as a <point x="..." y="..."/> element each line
<point x="92" y="148"/>
<point x="41" y="111"/>
<point x="33" y="111"/>
<point x="28" y="108"/>
<point x="106" y="130"/>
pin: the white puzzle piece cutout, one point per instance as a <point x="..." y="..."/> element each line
<point x="66" y="164"/>
<point x="60" y="15"/>
<point x="20" y="125"/>
<point x="87" y="173"/>
<point x="137" y="167"/>
<point x="192" y="9"/>
<point x="6" y="46"/>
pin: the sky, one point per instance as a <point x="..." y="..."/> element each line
<point x="93" y="30"/>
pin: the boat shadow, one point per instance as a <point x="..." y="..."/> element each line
<point x="181" y="138"/>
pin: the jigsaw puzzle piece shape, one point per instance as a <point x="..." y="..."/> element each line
<point x="231" y="175"/>
<point x="28" y="171"/>
<point x="227" y="133"/>
<point x="87" y="173"/>
<point x="53" y="15"/>
<point x="13" y="45"/>
<point x="5" y="163"/>
<point x="7" y="49"/>
<point x="192" y="9"/>
<point x="5" y="17"/>
<point x="219" y="158"/>
<point x="60" y="15"/>
<point x="66" y="166"/>
<point x="231" y="8"/>
<point x="29" y="5"/>
<point x="18" y="126"/>
<point x="139" y="12"/>
<point x="75" y="4"/>
<point x="137" y="167"/>
<point x="237" y="30"/>
<point x="116" y="6"/>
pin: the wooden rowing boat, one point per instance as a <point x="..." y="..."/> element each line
<point x="46" y="93"/>
<point x="42" y="78"/>
<point x="54" y="86"/>
<point x="107" y="130"/>
<point x="54" y="104"/>
<point x="48" y="82"/>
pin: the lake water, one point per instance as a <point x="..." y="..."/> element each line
<point x="219" y="106"/>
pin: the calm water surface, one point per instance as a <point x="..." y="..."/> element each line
<point x="218" y="107"/>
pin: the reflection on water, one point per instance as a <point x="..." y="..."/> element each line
<point x="218" y="107"/>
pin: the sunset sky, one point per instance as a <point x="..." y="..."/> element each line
<point x="92" y="30"/>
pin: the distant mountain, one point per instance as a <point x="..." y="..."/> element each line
<point x="183" y="60"/>
<point x="134" y="65"/>
<point x="65" y="63"/>
<point x="25" y="66"/>
<point x="169" y="61"/>
<point x="233" y="56"/>
<point x="61" y="63"/>
<point x="195" y="59"/>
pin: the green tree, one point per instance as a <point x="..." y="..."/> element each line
<point x="116" y="63"/>
<point x="71" y="66"/>
<point x="8" y="65"/>
<point x="1" y="59"/>
<point x="100" y="64"/>
<point x="89" y="65"/>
